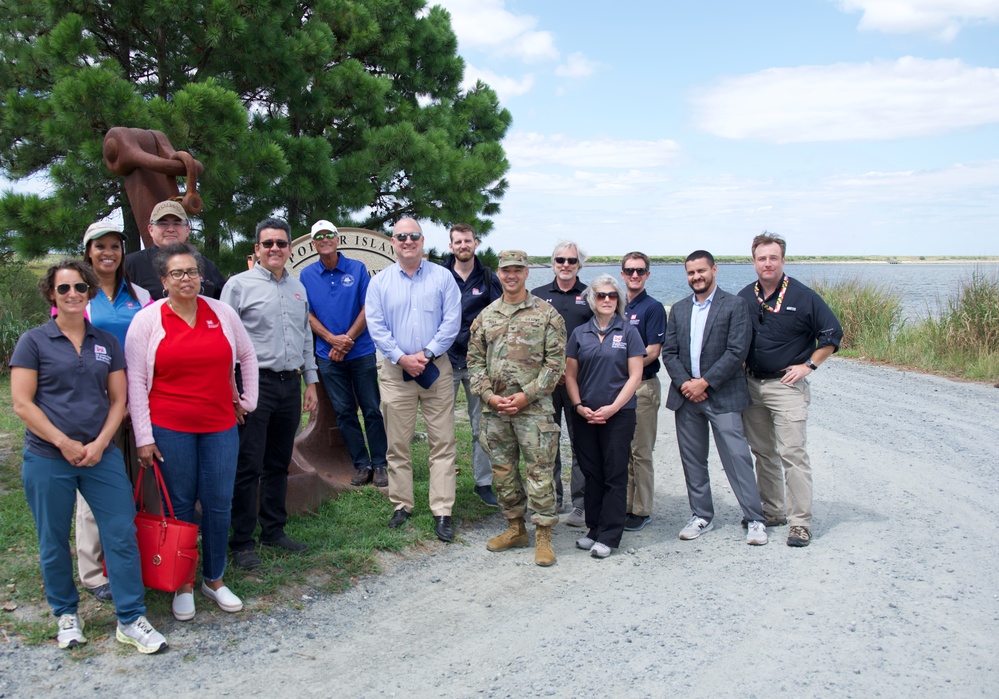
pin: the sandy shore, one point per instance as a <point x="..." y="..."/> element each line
<point x="896" y="596"/>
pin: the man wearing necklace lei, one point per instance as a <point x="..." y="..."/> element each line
<point x="794" y="331"/>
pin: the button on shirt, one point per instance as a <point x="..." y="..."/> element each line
<point x="603" y="366"/>
<point x="407" y="314"/>
<point x="649" y="316"/>
<point x="571" y="304"/>
<point x="336" y="297"/>
<point x="698" y="321"/>
<point x="275" y="313"/>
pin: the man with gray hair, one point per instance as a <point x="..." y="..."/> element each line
<point x="565" y="293"/>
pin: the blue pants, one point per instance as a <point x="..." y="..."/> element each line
<point x="350" y="384"/>
<point x="202" y="467"/>
<point x="50" y="487"/>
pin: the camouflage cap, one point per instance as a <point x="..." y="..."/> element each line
<point x="512" y="258"/>
<point x="168" y="208"/>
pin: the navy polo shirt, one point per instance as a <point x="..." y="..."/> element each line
<point x="478" y="291"/>
<point x="649" y="317"/>
<point x="571" y="304"/>
<point x="603" y="366"/>
<point x="336" y="296"/>
<point x="72" y="389"/>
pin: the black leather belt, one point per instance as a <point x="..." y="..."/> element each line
<point x="766" y="374"/>
<point x="281" y="375"/>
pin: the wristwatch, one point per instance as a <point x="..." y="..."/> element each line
<point x="811" y="365"/>
<point x="428" y="354"/>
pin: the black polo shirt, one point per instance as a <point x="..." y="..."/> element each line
<point x="790" y="336"/>
<point x="571" y="304"/>
<point x="649" y="316"/>
<point x="139" y="266"/>
<point x="72" y="389"/>
<point x="478" y="291"/>
<point x="603" y="366"/>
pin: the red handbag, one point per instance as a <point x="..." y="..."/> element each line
<point x="168" y="547"/>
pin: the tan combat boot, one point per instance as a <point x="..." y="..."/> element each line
<point x="544" y="554"/>
<point x="515" y="537"/>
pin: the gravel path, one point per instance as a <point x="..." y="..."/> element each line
<point x="896" y="596"/>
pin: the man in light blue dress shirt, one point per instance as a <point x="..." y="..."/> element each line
<point x="414" y="313"/>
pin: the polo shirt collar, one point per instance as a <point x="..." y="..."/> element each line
<point x="641" y="295"/>
<point x="617" y="323"/>
<point x="53" y="331"/>
<point x="578" y="287"/>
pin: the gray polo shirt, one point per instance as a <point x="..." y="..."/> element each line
<point x="275" y="313"/>
<point x="603" y="366"/>
<point x="72" y="389"/>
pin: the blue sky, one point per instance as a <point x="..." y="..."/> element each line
<point x="849" y="126"/>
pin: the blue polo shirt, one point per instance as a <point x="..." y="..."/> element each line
<point x="649" y="317"/>
<point x="336" y="296"/>
<point x="114" y="316"/>
<point x="603" y="366"/>
<point x="72" y="389"/>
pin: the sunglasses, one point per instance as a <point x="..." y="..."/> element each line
<point x="564" y="260"/>
<point x="601" y="295"/>
<point x="80" y="287"/>
<point x="324" y="236"/>
<point x="271" y="243"/>
<point x="179" y="274"/>
<point x="401" y="237"/>
<point x="632" y="271"/>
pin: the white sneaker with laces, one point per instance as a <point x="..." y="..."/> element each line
<point x="600" y="550"/>
<point x="695" y="527"/>
<point x="756" y="534"/>
<point x="576" y="518"/>
<point x="70" y="631"/>
<point x="585" y="543"/>
<point x="141" y="634"/>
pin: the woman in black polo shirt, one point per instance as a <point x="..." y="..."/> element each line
<point x="602" y="371"/>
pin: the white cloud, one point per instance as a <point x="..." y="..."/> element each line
<point x="584" y="184"/>
<point x="851" y="101"/>
<point x="525" y="149"/>
<point x="576" y="66"/>
<point x="504" y="86"/>
<point x="940" y="18"/>
<point x="488" y="25"/>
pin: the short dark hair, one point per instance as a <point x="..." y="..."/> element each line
<point x="46" y="285"/>
<point x="636" y="256"/>
<point x="700" y="255"/>
<point x="172" y="250"/>
<point x="461" y="228"/>
<point x="766" y="238"/>
<point x="278" y="223"/>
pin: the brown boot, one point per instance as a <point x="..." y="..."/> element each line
<point x="544" y="554"/>
<point x="515" y="537"/>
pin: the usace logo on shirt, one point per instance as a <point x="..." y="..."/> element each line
<point x="580" y="300"/>
<point x="617" y="342"/>
<point x="633" y="319"/>
<point x="101" y="354"/>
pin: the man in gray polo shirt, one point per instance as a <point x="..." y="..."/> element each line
<point x="275" y="312"/>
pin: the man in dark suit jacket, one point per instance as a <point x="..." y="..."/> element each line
<point x="707" y="340"/>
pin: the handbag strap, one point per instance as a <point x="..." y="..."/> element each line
<point x="160" y="487"/>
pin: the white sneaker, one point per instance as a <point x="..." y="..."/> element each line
<point x="223" y="597"/>
<point x="695" y="527"/>
<point x="600" y="550"/>
<point x="756" y="534"/>
<point x="70" y="631"/>
<point x="141" y="634"/>
<point x="585" y="543"/>
<point x="183" y="606"/>
<point x="576" y="518"/>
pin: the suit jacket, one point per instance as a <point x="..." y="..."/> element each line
<point x="727" y="335"/>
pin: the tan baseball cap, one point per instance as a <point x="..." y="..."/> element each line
<point x="168" y="208"/>
<point x="513" y="258"/>
<point x="99" y="230"/>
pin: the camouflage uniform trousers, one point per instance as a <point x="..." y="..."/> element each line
<point x="507" y="438"/>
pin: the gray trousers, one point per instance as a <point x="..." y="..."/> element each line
<point x="692" y="421"/>
<point x="481" y="466"/>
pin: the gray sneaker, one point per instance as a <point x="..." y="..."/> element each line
<point x="756" y="534"/>
<point x="695" y="527"/>
<point x="70" y="631"/>
<point x="141" y="634"/>
<point x="576" y="518"/>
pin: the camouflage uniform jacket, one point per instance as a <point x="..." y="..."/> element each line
<point x="517" y="347"/>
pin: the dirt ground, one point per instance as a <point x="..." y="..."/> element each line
<point x="898" y="595"/>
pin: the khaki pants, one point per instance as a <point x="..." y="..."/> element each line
<point x="641" y="475"/>
<point x="775" y="429"/>
<point x="400" y="400"/>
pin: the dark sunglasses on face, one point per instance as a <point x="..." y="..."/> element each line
<point x="271" y="243"/>
<point x="401" y="237"/>
<point x="324" y="236"/>
<point x="632" y="271"/>
<point x="80" y="287"/>
<point x="606" y="295"/>
<point x="564" y="260"/>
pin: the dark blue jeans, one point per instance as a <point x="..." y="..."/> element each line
<point x="350" y="384"/>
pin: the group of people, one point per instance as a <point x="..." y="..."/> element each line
<point x="203" y="377"/>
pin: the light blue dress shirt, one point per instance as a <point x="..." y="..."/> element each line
<point x="698" y="321"/>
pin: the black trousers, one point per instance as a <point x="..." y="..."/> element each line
<point x="603" y="452"/>
<point x="266" y="441"/>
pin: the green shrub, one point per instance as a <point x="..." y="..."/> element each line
<point x="21" y="306"/>
<point x="871" y="315"/>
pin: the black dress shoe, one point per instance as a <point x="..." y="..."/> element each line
<point x="101" y="592"/>
<point x="486" y="494"/>
<point x="399" y="518"/>
<point x="362" y="476"/>
<point x="443" y="528"/>
<point x="381" y="477"/>
<point x="283" y="542"/>
<point x="247" y="560"/>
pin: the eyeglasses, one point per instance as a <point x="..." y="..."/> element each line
<point x="401" y="237"/>
<point x="601" y="295"/>
<point x="171" y="224"/>
<point x="80" y="287"/>
<point x="324" y="236"/>
<point x="179" y="274"/>
<point x="271" y="243"/>
<point x="632" y="271"/>
<point x="564" y="260"/>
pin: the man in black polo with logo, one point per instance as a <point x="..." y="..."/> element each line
<point x="794" y="331"/>
<point x="565" y="293"/>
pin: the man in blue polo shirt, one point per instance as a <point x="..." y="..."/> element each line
<point x="337" y="287"/>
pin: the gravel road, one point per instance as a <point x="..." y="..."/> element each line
<point x="898" y="595"/>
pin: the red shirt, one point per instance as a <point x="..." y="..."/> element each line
<point x="191" y="389"/>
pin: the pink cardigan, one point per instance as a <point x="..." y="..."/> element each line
<point x="144" y="337"/>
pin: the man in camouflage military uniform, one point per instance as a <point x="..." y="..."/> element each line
<point x="516" y="355"/>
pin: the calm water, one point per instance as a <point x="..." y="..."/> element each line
<point x="923" y="287"/>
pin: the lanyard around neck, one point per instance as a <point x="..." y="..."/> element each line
<point x="780" y="298"/>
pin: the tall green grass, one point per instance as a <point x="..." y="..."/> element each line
<point x="21" y="306"/>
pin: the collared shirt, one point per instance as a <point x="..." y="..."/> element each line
<point x="698" y="320"/>
<point x="275" y="313"/>
<point x="139" y="266"/>
<point x="480" y="289"/>
<point x="407" y="314"/>
<point x="649" y="316"/>
<point x="571" y="304"/>
<point x="603" y="366"/>
<point x="336" y="297"/>
<point x="72" y="389"/>
<point x="115" y="316"/>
